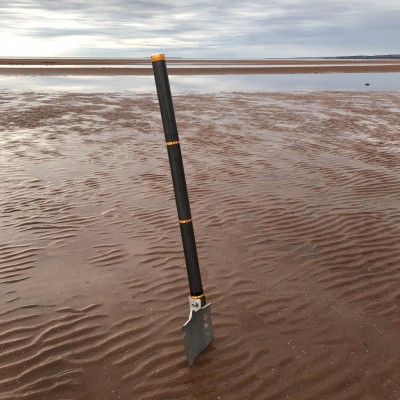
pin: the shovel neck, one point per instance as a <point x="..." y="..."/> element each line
<point x="200" y="300"/>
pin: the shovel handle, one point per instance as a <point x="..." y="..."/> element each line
<point x="178" y="174"/>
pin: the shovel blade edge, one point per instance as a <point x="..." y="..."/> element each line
<point x="198" y="333"/>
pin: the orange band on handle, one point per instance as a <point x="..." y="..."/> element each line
<point x="185" y="221"/>
<point x="157" y="57"/>
<point x="172" y="143"/>
<point x="197" y="297"/>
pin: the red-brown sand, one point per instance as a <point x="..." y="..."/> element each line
<point x="295" y="199"/>
<point x="80" y="66"/>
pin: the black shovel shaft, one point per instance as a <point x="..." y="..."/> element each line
<point x="178" y="174"/>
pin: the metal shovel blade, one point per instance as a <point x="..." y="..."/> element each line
<point x="198" y="332"/>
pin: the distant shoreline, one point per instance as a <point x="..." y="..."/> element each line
<point x="142" y="67"/>
<point x="177" y="60"/>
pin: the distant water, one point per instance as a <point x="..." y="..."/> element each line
<point x="207" y="83"/>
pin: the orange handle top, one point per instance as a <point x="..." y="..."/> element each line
<point x="157" y="57"/>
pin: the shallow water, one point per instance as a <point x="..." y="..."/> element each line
<point x="206" y="83"/>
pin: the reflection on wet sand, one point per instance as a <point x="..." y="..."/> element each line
<point x="205" y="83"/>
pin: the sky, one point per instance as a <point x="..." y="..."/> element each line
<point x="199" y="29"/>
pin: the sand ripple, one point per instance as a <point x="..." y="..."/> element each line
<point x="295" y="201"/>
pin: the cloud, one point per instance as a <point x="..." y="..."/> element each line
<point x="219" y="28"/>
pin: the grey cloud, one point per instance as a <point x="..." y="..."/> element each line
<point x="228" y="26"/>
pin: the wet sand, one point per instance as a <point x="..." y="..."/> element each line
<point x="295" y="199"/>
<point x="79" y="67"/>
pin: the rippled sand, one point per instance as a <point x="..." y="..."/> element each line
<point x="295" y="199"/>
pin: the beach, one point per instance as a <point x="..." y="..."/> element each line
<point x="142" y="67"/>
<point x="295" y="202"/>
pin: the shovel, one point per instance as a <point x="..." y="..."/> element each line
<point x="198" y="331"/>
